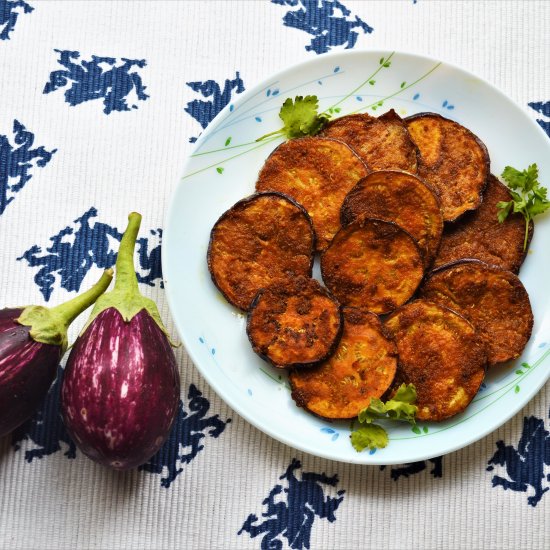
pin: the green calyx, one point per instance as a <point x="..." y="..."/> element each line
<point x="126" y="297"/>
<point x="50" y="325"/>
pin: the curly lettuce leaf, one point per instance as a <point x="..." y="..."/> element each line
<point x="369" y="435"/>
<point x="400" y="407"/>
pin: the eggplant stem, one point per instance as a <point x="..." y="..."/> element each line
<point x="126" y="279"/>
<point x="70" y="310"/>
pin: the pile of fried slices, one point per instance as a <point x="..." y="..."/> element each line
<point x="420" y="277"/>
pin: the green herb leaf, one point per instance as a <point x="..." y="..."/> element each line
<point x="504" y="209"/>
<point x="300" y="118"/>
<point x="400" y="407"/>
<point x="375" y="410"/>
<point x="528" y="196"/>
<point x="371" y="436"/>
<point x="397" y="410"/>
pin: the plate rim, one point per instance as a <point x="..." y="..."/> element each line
<point x="359" y="458"/>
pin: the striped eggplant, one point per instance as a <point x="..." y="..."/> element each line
<point x="32" y="341"/>
<point x="120" y="391"/>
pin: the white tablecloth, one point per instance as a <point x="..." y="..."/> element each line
<point x="74" y="162"/>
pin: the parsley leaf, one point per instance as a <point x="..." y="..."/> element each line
<point x="300" y="118"/>
<point x="371" y="436"/>
<point x="528" y="196"/>
<point x="400" y="407"/>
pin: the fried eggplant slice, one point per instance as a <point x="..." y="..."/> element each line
<point x="372" y="264"/>
<point x="440" y="353"/>
<point x="452" y="159"/>
<point x="383" y="143"/>
<point x="294" y="325"/>
<point x="479" y="234"/>
<point x="317" y="173"/>
<point x="401" y="198"/>
<point x="492" y="299"/>
<point x="362" y="367"/>
<point x="259" y="240"/>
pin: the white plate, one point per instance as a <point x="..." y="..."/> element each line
<point x="223" y="169"/>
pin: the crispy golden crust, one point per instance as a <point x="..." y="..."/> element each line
<point x="383" y="143"/>
<point x="317" y="173"/>
<point x="362" y="367"/>
<point x="294" y="325"/>
<point x="452" y="159"/>
<point x="492" y="299"/>
<point x="372" y="264"/>
<point x="401" y="198"/>
<point x="261" y="239"/>
<point x="479" y="234"/>
<point x="441" y="354"/>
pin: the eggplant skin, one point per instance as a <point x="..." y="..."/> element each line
<point x="362" y="367"/>
<point x="452" y="159"/>
<point x="441" y="353"/>
<point x="372" y="264"/>
<point x="382" y="142"/>
<point x="480" y="235"/>
<point x="402" y="198"/>
<point x="27" y="370"/>
<point x="120" y="390"/>
<point x="317" y="173"/>
<point x="294" y="325"/>
<point x="260" y="239"/>
<point x="492" y="299"/>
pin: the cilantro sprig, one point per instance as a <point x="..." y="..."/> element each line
<point x="300" y="118"/>
<point x="528" y="196"/>
<point x="400" y="407"/>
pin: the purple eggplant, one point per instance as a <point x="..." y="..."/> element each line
<point x="32" y="341"/>
<point x="121" y="386"/>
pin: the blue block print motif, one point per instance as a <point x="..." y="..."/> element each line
<point x="417" y="467"/>
<point x="544" y="110"/>
<point x="45" y="429"/>
<point x="328" y="21"/>
<point x="291" y="511"/>
<point x="16" y="162"/>
<point x="525" y="464"/>
<point x="100" y="78"/>
<point x="9" y="12"/>
<point x="216" y="99"/>
<point x="187" y="437"/>
<point x="74" y="251"/>
<point x="47" y="435"/>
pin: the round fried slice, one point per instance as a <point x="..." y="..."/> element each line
<point x="383" y="143"/>
<point x="362" y="367"/>
<point x="372" y="264"/>
<point x="401" y="198"/>
<point x="317" y="173"/>
<point x="452" y="159"/>
<point x="259" y="240"/>
<point x="479" y="234"/>
<point x="294" y="325"/>
<point x="492" y="299"/>
<point x="441" y="354"/>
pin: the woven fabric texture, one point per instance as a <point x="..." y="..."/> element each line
<point x="78" y="154"/>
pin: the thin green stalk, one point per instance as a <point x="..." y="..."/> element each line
<point x="126" y="279"/>
<point x="280" y="131"/>
<point x="70" y="310"/>
<point x="401" y="90"/>
<point x="380" y="67"/>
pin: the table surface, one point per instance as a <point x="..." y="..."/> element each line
<point x="76" y="157"/>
